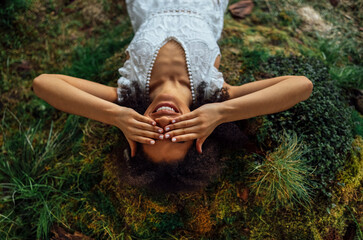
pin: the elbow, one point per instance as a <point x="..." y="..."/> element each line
<point x="38" y="82"/>
<point x="307" y="87"/>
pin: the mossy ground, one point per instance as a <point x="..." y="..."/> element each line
<point x="75" y="186"/>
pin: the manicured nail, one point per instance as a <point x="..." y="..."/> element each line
<point x="173" y="139"/>
<point x="167" y="135"/>
<point x="173" y="121"/>
<point x="154" y="123"/>
<point x="152" y="142"/>
<point x="161" y="137"/>
<point x="160" y="130"/>
<point x="167" y="128"/>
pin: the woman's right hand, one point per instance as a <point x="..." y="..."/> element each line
<point x="137" y="128"/>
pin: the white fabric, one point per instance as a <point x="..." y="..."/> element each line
<point x="196" y="25"/>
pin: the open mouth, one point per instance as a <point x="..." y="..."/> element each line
<point x="166" y="107"/>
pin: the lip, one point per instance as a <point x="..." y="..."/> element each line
<point x="161" y="113"/>
<point x="166" y="104"/>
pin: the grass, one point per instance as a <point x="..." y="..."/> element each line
<point x="88" y="61"/>
<point x="282" y="178"/>
<point x="30" y="183"/>
<point x="56" y="169"/>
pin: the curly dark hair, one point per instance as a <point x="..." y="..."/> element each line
<point x="196" y="170"/>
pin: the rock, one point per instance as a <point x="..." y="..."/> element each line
<point x="241" y="9"/>
<point x="312" y="21"/>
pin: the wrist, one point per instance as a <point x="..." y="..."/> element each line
<point x="116" y="112"/>
<point x="225" y="113"/>
<point x="221" y="116"/>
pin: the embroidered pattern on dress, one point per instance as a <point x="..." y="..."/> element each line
<point x="195" y="31"/>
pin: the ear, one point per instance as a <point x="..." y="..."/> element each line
<point x="199" y="144"/>
<point x="133" y="147"/>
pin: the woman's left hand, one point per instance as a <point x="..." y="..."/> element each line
<point x="198" y="124"/>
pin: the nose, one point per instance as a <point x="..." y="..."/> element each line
<point x="163" y="121"/>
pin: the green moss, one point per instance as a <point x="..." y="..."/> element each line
<point x="351" y="176"/>
<point x="81" y="191"/>
<point x="323" y="121"/>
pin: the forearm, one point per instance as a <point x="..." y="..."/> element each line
<point x="96" y="89"/>
<point x="248" y="88"/>
<point x="70" y="99"/>
<point x="276" y="98"/>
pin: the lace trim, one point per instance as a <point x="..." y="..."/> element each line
<point x="177" y="11"/>
<point x="148" y="74"/>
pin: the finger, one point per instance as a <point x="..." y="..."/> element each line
<point x="199" y="144"/>
<point x="133" y="147"/>
<point x="183" y="124"/>
<point x="144" y="140"/>
<point x="184" y="117"/>
<point x="146" y="126"/>
<point x="186" y="137"/>
<point x="148" y="134"/>
<point x="181" y="131"/>
<point x="144" y="119"/>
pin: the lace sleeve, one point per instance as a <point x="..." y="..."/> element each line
<point x="216" y="82"/>
<point x="124" y="82"/>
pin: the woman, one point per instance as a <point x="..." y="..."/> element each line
<point x="172" y="67"/>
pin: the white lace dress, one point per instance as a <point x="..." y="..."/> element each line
<point x="195" y="25"/>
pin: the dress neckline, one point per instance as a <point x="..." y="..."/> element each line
<point x="187" y="61"/>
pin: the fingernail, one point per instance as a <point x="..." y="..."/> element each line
<point x="167" y="128"/>
<point x="152" y="142"/>
<point x="173" y="139"/>
<point x="160" y="130"/>
<point x="161" y="137"/>
<point x="167" y="135"/>
<point x="154" y="123"/>
<point x="173" y="121"/>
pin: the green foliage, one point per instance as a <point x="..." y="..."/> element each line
<point x="282" y="178"/>
<point x="260" y="17"/>
<point x="341" y="51"/>
<point x="350" y="76"/>
<point x="289" y="18"/>
<point x="9" y="9"/>
<point x="29" y="183"/>
<point x="323" y="122"/>
<point x="312" y="68"/>
<point x="70" y="185"/>
<point x="88" y="61"/>
<point x="264" y="15"/>
<point x="252" y="58"/>
<point x="358" y="123"/>
<point x="352" y="173"/>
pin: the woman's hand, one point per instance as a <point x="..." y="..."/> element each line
<point x="137" y="128"/>
<point x="198" y="124"/>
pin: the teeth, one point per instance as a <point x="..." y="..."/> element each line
<point x="165" y="108"/>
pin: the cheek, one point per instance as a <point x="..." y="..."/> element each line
<point x="148" y="111"/>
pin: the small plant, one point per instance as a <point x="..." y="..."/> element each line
<point x="323" y="122"/>
<point x="282" y="176"/>
<point x="30" y="183"/>
<point x="10" y="9"/>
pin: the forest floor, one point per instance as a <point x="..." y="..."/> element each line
<point x="58" y="177"/>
